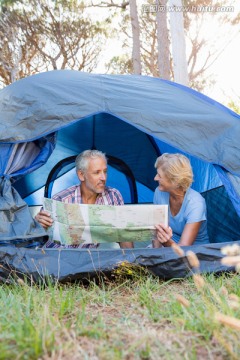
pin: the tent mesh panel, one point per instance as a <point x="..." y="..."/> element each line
<point x="223" y="221"/>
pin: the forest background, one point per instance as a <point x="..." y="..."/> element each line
<point x="190" y="42"/>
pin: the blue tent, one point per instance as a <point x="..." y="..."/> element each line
<point x="47" y="119"/>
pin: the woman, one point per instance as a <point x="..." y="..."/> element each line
<point x="187" y="208"/>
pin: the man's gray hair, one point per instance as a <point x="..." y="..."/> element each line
<point x="82" y="160"/>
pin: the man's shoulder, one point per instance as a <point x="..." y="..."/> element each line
<point x="65" y="193"/>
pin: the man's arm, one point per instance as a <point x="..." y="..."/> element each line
<point x="43" y="217"/>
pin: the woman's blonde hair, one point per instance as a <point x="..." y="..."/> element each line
<point x="176" y="168"/>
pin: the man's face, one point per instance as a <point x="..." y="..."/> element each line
<point x="95" y="176"/>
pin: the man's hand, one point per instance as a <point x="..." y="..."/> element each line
<point x="44" y="218"/>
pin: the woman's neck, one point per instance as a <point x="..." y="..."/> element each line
<point x="177" y="195"/>
<point x="176" y="199"/>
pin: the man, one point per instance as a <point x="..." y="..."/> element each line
<point x="91" y="168"/>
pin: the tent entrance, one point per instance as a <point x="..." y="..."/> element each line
<point x="138" y="151"/>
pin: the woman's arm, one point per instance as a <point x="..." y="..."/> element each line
<point x="189" y="234"/>
<point x="163" y="236"/>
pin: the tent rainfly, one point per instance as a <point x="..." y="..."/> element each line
<point x="48" y="118"/>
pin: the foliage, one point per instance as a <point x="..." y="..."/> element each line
<point x="205" y="44"/>
<point x="203" y="47"/>
<point x="149" y="51"/>
<point x="120" y="65"/>
<point x="63" y="34"/>
<point x="41" y="36"/>
<point x="234" y="106"/>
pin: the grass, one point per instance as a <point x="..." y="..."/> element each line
<point x="133" y="316"/>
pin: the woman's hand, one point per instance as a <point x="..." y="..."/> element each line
<point x="163" y="236"/>
<point x="44" y="218"/>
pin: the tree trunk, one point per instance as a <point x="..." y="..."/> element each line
<point x="136" y="56"/>
<point x="163" y="43"/>
<point x="178" y="43"/>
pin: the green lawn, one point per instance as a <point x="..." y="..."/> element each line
<point x="132" y="316"/>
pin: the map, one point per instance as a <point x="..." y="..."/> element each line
<point x="81" y="223"/>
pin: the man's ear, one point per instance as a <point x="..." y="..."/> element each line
<point x="80" y="175"/>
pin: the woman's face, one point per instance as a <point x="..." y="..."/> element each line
<point x="163" y="182"/>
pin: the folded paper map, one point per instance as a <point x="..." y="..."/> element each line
<point x="80" y="223"/>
